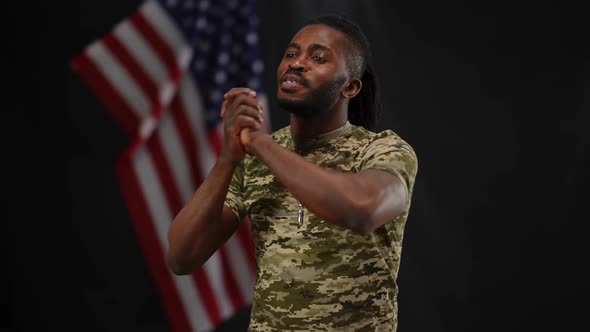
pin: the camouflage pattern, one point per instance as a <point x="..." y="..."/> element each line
<point x="319" y="276"/>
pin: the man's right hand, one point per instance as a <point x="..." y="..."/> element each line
<point x="240" y="110"/>
<point x="205" y="223"/>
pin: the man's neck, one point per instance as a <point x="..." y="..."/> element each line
<point x="310" y="127"/>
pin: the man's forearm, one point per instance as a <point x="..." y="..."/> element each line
<point x="336" y="197"/>
<point x="197" y="231"/>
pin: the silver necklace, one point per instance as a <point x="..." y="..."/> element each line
<point x="300" y="212"/>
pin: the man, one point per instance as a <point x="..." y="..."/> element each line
<point x="328" y="199"/>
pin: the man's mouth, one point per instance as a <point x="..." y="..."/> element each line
<point x="291" y="82"/>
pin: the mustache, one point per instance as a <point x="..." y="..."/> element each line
<point x="295" y="72"/>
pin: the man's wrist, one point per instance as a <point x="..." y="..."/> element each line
<point x="258" y="143"/>
<point x="226" y="162"/>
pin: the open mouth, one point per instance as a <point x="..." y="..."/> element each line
<point x="291" y="82"/>
<point x="290" y="85"/>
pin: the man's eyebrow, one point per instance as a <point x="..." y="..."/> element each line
<point x="312" y="47"/>
<point x="315" y="47"/>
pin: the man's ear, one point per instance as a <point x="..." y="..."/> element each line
<point x="352" y="88"/>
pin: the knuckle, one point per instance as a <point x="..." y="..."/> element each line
<point x="235" y="91"/>
<point x="245" y="119"/>
<point x="241" y="99"/>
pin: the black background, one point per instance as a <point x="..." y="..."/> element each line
<point x="493" y="97"/>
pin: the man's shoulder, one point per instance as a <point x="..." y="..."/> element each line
<point x="358" y="133"/>
<point x="385" y="145"/>
<point x="364" y="137"/>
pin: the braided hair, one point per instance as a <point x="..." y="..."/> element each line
<point x="364" y="108"/>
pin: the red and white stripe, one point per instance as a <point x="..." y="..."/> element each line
<point x="137" y="71"/>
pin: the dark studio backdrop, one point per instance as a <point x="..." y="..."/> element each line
<point x="493" y="97"/>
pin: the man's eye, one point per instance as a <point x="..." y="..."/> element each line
<point x="290" y="55"/>
<point x="318" y="59"/>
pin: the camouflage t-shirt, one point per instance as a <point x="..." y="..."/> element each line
<point x="319" y="276"/>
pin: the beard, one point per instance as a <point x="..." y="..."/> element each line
<point x="317" y="102"/>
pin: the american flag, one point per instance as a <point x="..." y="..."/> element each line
<point x="162" y="73"/>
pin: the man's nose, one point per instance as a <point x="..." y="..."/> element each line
<point x="297" y="64"/>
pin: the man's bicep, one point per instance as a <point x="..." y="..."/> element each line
<point x="387" y="182"/>
<point x="387" y="192"/>
<point x="393" y="156"/>
<point x="380" y="178"/>
<point x="234" y="199"/>
<point x="229" y="216"/>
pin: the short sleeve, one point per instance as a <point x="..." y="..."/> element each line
<point x="235" y="194"/>
<point x="388" y="152"/>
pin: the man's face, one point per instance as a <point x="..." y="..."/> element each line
<point x="313" y="71"/>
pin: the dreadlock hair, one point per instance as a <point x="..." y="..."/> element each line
<point x="364" y="108"/>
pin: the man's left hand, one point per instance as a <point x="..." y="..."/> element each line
<point x="249" y="137"/>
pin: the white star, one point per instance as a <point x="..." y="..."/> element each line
<point x="223" y="59"/>
<point x="251" y="38"/>
<point x="201" y="23"/>
<point x="204" y="5"/>
<point x="220" y="77"/>
<point x="258" y="66"/>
